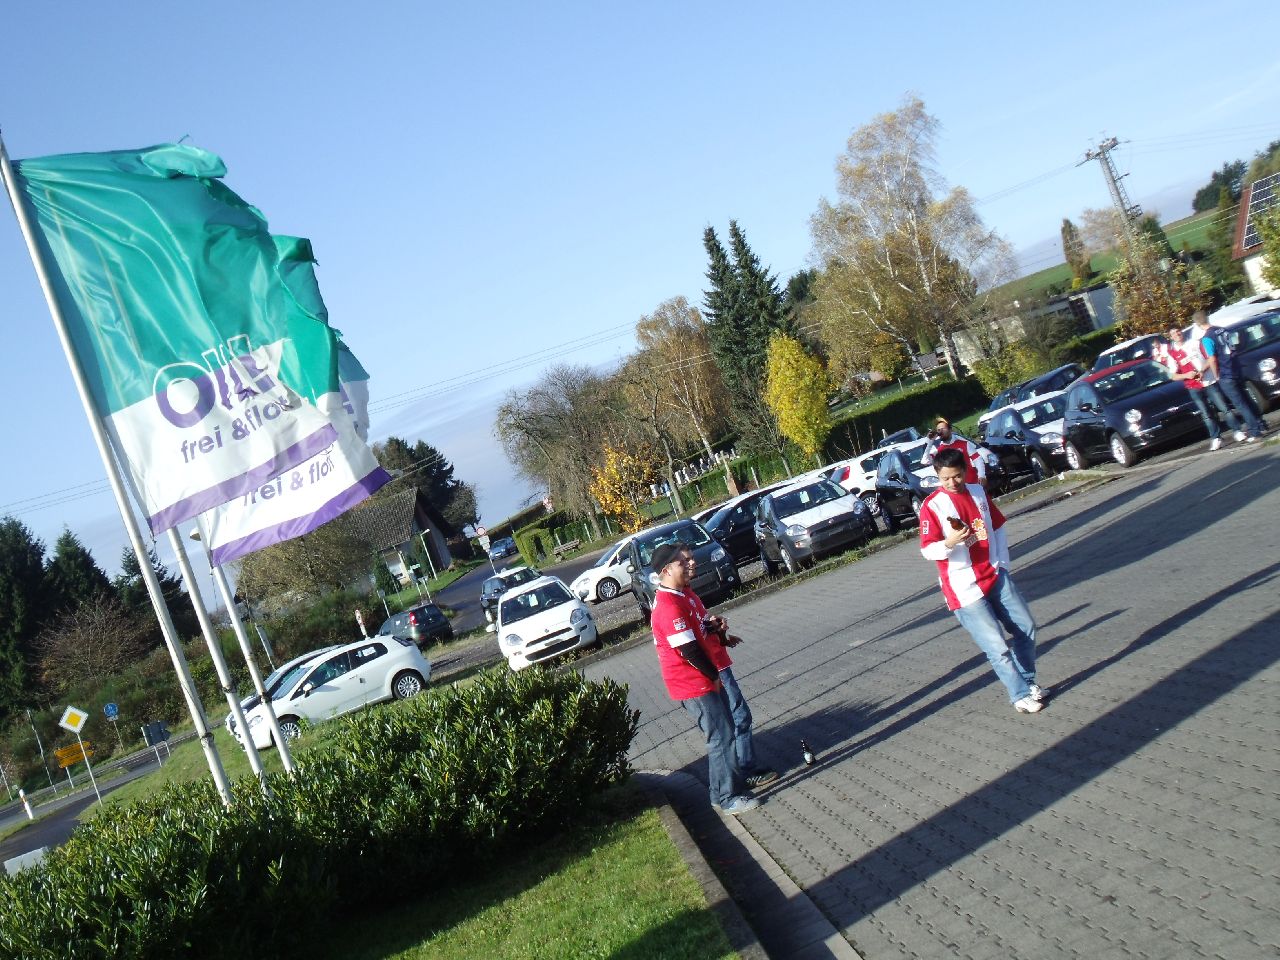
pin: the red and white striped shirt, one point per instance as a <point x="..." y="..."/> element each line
<point x="966" y="572"/>
<point x="975" y="472"/>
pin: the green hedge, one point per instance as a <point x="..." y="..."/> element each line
<point x="915" y="407"/>
<point x="1084" y="349"/>
<point x="406" y="800"/>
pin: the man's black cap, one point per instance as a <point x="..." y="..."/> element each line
<point x="665" y="554"/>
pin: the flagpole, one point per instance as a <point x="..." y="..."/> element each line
<point x="237" y="624"/>
<point x="117" y="487"/>
<point x="215" y="654"/>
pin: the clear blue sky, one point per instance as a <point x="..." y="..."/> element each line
<point x="485" y="185"/>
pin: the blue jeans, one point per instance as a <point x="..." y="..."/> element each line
<point x="711" y="710"/>
<point x="1210" y="423"/>
<point x="1234" y="392"/>
<point x="741" y="714"/>
<point x="1015" y="661"/>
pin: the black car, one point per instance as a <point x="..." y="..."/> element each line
<point x="1256" y="343"/>
<point x="494" y="587"/>
<point x="1125" y="410"/>
<point x="801" y="521"/>
<point x="900" y="488"/>
<point x="900" y="436"/>
<point x="734" y="526"/>
<point x="423" y="624"/>
<point x="1027" y="437"/>
<point x="716" y="576"/>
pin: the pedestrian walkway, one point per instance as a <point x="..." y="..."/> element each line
<point x="1137" y="816"/>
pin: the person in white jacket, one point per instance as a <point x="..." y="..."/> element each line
<point x="963" y="532"/>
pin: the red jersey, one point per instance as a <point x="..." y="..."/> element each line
<point x="677" y="620"/>
<point x="713" y="643"/>
<point x="1183" y="362"/>
<point x="966" y="572"/>
<point x="977" y="468"/>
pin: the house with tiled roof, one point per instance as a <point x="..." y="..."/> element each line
<point x="396" y="524"/>
<point x="1260" y="196"/>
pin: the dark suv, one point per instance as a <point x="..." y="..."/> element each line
<point x="423" y="624"/>
<point x="493" y="588"/>
<point x="716" y="576"/>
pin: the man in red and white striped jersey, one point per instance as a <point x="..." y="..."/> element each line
<point x="942" y="437"/>
<point x="963" y="532"/>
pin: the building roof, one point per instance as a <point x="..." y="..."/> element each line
<point x="1259" y="196"/>
<point x="388" y="521"/>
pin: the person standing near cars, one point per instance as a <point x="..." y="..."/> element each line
<point x="1181" y="363"/>
<point x="942" y="437"/>
<point x="1223" y="379"/>
<point x="963" y="532"/>
<point x="691" y="676"/>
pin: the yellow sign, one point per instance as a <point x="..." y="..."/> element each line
<point x="73" y="719"/>
<point x="73" y="754"/>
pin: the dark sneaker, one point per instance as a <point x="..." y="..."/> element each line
<point x="762" y="779"/>
<point x="737" y="805"/>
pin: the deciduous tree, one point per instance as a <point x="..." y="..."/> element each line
<point x="1152" y="291"/>
<point x="916" y="258"/>
<point x="326" y="559"/>
<point x="1269" y="230"/>
<point x="796" y="390"/>
<point x="621" y="485"/>
<point x="88" y="643"/>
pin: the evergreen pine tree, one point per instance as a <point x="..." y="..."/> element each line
<point x="73" y="576"/>
<point x="23" y="610"/>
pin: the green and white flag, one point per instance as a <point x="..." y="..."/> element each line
<point x="204" y="339"/>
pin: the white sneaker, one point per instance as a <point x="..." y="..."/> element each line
<point x="1027" y="705"/>
<point x="1036" y="693"/>
<point x="1240" y="436"/>
<point x="1215" y="443"/>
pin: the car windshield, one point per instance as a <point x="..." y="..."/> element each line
<point x="609" y="557"/>
<point x="915" y="456"/>
<point x="1044" y="411"/>
<point x="286" y="680"/>
<point x="690" y="534"/>
<point x="811" y="495"/>
<point x="508" y="580"/>
<point x="1130" y="382"/>
<point x="515" y="609"/>
<point x="1258" y="331"/>
<point x="869" y="463"/>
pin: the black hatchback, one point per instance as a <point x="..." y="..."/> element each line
<point x="1125" y="410"/>
<point x="903" y="483"/>
<point x="423" y="624"/>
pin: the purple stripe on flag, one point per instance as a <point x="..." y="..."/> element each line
<point x="296" y="527"/>
<point x="214" y="496"/>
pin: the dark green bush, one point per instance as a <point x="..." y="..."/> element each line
<point x="915" y="407"/>
<point x="408" y="798"/>
<point x="1085" y="348"/>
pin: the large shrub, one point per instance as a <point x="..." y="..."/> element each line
<point x="1014" y="363"/>
<point x="407" y="799"/>
<point x="915" y="407"/>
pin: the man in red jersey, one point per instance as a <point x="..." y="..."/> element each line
<point x="691" y="676"/>
<point x="1183" y="363"/>
<point x="942" y="437"/>
<point x="963" y="532"/>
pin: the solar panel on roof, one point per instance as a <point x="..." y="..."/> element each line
<point x="1265" y="192"/>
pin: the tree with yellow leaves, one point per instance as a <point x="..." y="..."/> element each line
<point x="796" y="389"/>
<point x="622" y="484"/>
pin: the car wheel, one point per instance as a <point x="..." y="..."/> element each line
<point x="1120" y="450"/>
<point x="874" y="507"/>
<point x="290" y="727"/>
<point x="770" y="566"/>
<point x="407" y="684"/>
<point x="1038" y="470"/>
<point x="1256" y="398"/>
<point x="1075" y="459"/>
<point x="890" y="521"/>
<point x="607" y="589"/>
<point x="789" y="561"/>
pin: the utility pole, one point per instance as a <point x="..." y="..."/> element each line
<point x="1129" y="212"/>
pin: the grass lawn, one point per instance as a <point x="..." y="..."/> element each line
<point x="611" y="886"/>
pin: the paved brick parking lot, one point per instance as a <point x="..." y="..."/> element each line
<point x="1135" y="817"/>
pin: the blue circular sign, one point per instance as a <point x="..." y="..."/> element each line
<point x="111" y="710"/>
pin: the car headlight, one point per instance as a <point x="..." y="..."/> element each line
<point x="929" y="482"/>
<point x="717" y="554"/>
<point x="795" y="530"/>
<point x="859" y="507"/>
<point x="1267" y="365"/>
<point x="512" y="641"/>
<point x="1051" y="438"/>
<point x="577" y="616"/>
<point x="1133" y="416"/>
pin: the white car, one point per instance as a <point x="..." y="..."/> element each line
<point x="607" y="577"/>
<point x="272" y="683"/>
<point x="540" y="620"/>
<point x="338" y="680"/>
<point x="859" y="473"/>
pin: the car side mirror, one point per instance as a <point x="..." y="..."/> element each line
<point x="720" y="535"/>
<point x="1085" y="407"/>
<point x="1011" y="435"/>
<point x="631" y="568"/>
<point x="307" y="688"/>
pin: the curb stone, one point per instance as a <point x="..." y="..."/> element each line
<point x="788" y="925"/>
